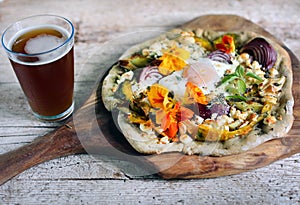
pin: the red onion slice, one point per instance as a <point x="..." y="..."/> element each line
<point x="150" y="72"/>
<point x="261" y="51"/>
<point x="206" y="111"/>
<point x="220" y="56"/>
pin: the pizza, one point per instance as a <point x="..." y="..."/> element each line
<point x="201" y="92"/>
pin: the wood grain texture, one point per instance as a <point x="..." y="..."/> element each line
<point x="210" y="167"/>
<point x="268" y="152"/>
<point x="64" y="140"/>
<point x="58" y="143"/>
<point x="86" y="191"/>
<point x="86" y="179"/>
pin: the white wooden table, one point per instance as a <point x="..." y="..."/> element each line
<point x="84" y="179"/>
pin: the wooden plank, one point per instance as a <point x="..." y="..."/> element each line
<point x="98" y="167"/>
<point x="275" y="184"/>
<point x="260" y="187"/>
<point x="19" y="113"/>
<point x="64" y="141"/>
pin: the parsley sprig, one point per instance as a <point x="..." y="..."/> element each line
<point x="237" y="83"/>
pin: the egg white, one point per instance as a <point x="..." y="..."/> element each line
<point x="210" y="72"/>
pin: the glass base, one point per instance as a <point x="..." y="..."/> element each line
<point x="58" y="117"/>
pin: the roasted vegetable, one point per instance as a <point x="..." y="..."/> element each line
<point x="134" y="62"/>
<point x="127" y="90"/>
<point x="210" y="133"/>
<point x="220" y="56"/>
<point x="246" y="106"/>
<point x="140" y="61"/>
<point x="150" y="72"/>
<point x="204" y="43"/>
<point x="261" y="51"/>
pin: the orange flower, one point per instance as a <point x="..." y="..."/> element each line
<point x="194" y="94"/>
<point x="173" y="60"/>
<point x="169" y="121"/>
<point x="158" y="97"/>
<point x="179" y="52"/>
<point x="170" y="112"/>
<point x="184" y="114"/>
<point x="170" y="124"/>
<point x="227" y="44"/>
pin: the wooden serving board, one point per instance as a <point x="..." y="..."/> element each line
<point x="92" y="130"/>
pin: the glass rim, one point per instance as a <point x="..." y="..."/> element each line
<point x="44" y="52"/>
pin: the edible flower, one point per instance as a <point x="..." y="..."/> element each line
<point x="169" y="119"/>
<point x="170" y="113"/>
<point x="179" y="52"/>
<point x="227" y="44"/>
<point x="194" y="94"/>
<point x="158" y="97"/>
<point x="173" y="60"/>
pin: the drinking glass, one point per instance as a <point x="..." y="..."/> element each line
<point x="40" y="50"/>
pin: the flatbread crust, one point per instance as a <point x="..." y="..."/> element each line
<point x="148" y="143"/>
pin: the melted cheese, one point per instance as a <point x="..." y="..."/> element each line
<point x="204" y="73"/>
<point x="221" y="68"/>
<point x="176" y="83"/>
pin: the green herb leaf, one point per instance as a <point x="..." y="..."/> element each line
<point x="241" y="86"/>
<point x="240" y="71"/>
<point x="228" y="78"/>
<point x="236" y="98"/>
<point x="253" y="75"/>
<point x="232" y="89"/>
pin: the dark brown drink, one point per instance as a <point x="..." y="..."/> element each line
<point x="46" y="77"/>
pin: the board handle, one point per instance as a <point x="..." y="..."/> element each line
<point x="61" y="142"/>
